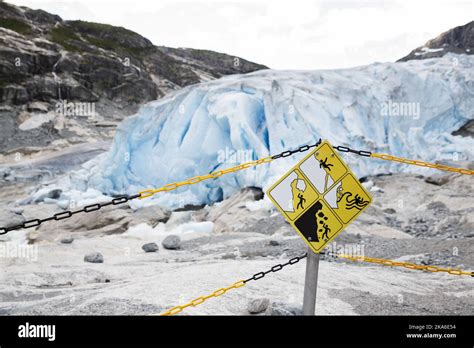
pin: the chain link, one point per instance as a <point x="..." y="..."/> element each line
<point x="216" y="174"/>
<point x="408" y="265"/>
<point x="200" y="300"/>
<point x="275" y="268"/>
<point x="357" y="152"/>
<point x="219" y="292"/>
<point x="438" y="166"/>
<point x="292" y="152"/>
<point x="67" y="214"/>
<point x="150" y="192"/>
<point x="197" y="179"/>
<point x="213" y="175"/>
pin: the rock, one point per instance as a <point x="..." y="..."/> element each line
<point x="368" y="184"/>
<point x="190" y="207"/>
<point x="258" y="305"/>
<point x="437" y="179"/>
<point x="232" y="214"/>
<point x="172" y="242"/>
<point x="437" y="205"/>
<point x="91" y="62"/>
<point x="102" y="222"/>
<point x="457" y="40"/>
<point x="448" y="224"/>
<point x="274" y="242"/>
<point x="151" y="215"/>
<point x="467" y="222"/>
<point x="17" y="210"/>
<point x="94" y="257"/>
<point x="282" y="309"/>
<point x="389" y="211"/>
<point x="150" y="247"/>
<point x="8" y="219"/>
<point x="67" y="240"/>
<point x="38" y="106"/>
<point x="43" y="193"/>
<point x="256" y="192"/>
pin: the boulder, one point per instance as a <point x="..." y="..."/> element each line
<point x="283" y="309"/>
<point x="8" y="218"/>
<point x="67" y="240"/>
<point x="94" y="257"/>
<point x="151" y="215"/>
<point x="171" y="242"/>
<point x="150" y="247"/>
<point x="437" y="179"/>
<point x="258" y="305"/>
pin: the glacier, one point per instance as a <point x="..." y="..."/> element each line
<point x="218" y="124"/>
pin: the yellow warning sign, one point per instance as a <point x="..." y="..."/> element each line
<point x="319" y="196"/>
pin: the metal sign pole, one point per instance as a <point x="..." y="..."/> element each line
<point x="310" y="283"/>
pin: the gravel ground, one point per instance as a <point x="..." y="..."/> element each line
<point x="410" y="220"/>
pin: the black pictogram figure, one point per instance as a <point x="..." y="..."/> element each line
<point x="300" y="203"/>
<point x="324" y="164"/>
<point x="325" y="233"/>
<point x="324" y="226"/>
<point x="313" y="221"/>
<point x="357" y="202"/>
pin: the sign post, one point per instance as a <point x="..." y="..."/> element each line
<point x="319" y="197"/>
<point x="310" y="283"/>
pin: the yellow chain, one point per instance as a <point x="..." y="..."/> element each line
<point x="197" y="179"/>
<point x="405" y="264"/>
<point x="219" y="292"/>
<point x="199" y="300"/>
<point x="386" y="157"/>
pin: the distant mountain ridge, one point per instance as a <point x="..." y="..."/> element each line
<point x="44" y="59"/>
<point x="459" y="40"/>
<point x="97" y="60"/>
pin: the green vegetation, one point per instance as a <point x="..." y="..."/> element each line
<point x="109" y="37"/>
<point x="96" y="28"/>
<point x="15" y="25"/>
<point x="112" y="45"/>
<point x="63" y="36"/>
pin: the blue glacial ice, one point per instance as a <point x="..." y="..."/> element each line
<point x="218" y="124"/>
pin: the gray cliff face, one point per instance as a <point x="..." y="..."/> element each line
<point x="459" y="40"/>
<point x="44" y="59"/>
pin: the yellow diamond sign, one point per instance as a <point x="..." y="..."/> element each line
<point x="319" y="196"/>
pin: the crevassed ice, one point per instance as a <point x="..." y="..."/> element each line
<point x="407" y="109"/>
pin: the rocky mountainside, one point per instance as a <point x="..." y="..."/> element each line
<point x="44" y="59"/>
<point x="458" y="40"/>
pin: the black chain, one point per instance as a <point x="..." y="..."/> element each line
<point x="67" y="214"/>
<point x="125" y="198"/>
<point x="307" y="147"/>
<point x="276" y="268"/>
<point x="292" y="152"/>
<point x="357" y="152"/>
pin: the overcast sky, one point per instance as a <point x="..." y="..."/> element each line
<point x="291" y="34"/>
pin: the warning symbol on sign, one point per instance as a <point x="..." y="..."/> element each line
<point x="347" y="198"/>
<point x="320" y="196"/>
<point x="294" y="194"/>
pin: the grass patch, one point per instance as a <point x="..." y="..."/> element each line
<point x="15" y="25"/>
<point x="64" y="36"/>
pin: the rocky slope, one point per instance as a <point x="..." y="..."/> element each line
<point x="458" y="40"/>
<point x="44" y="59"/>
